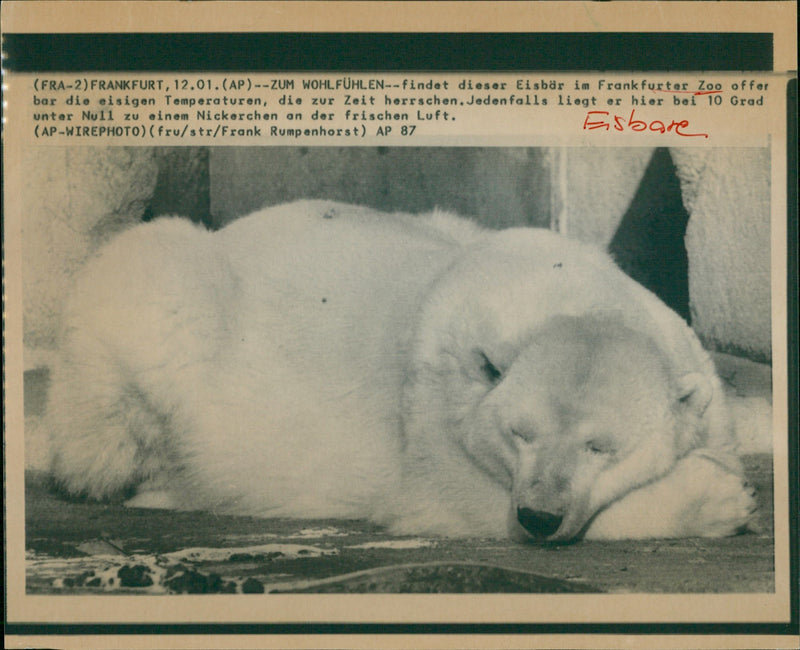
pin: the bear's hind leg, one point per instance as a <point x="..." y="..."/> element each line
<point x="105" y="436"/>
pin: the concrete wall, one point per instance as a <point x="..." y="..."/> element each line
<point x="727" y="194"/>
<point x="74" y="200"/>
<point x="501" y="187"/>
<point x="183" y="185"/>
<point x="593" y="187"/>
<point x="597" y="197"/>
<point x="77" y="198"/>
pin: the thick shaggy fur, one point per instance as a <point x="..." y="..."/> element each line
<point x="325" y="360"/>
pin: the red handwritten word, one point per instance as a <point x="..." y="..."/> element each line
<point x="630" y="123"/>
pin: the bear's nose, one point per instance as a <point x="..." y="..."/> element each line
<point x="538" y="522"/>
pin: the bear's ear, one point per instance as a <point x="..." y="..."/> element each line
<point x="695" y="392"/>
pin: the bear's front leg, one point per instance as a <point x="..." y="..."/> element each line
<point x="701" y="497"/>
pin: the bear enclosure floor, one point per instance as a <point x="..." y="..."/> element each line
<point x="79" y="548"/>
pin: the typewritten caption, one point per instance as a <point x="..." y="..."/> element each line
<point x="348" y="109"/>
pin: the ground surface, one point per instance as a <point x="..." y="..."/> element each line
<point x="78" y="547"/>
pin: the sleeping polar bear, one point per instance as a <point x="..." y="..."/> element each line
<point x="325" y="360"/>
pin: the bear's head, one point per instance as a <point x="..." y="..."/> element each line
<point x="568" y="408"/>
<point x="589" y="411"/>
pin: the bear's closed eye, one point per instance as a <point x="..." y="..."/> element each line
<point x="490" y="371"/>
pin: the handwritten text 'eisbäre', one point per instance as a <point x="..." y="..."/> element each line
<point x="603" y="120"/>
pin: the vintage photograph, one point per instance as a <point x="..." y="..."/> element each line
<point x="397" y="370"/>
<point x="381" y="324"/>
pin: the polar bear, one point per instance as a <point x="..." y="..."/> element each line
<point x="317" y="359"/>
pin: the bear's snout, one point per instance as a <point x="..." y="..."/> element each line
<point x="538" y="523"/>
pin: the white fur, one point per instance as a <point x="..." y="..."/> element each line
<point x="324" y="360"/>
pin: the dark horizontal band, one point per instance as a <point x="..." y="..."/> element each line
<point x="373" y="52"/>
<point x="404" y="628"/>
